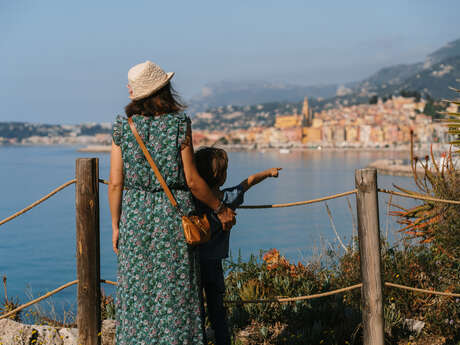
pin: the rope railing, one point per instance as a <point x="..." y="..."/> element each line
<point x="420" y="197"/>
<point x="299" y="298"/>
<point x="333" y="292"/>
<point x="334" y="196"/>
<point x="273" y="300"/>
<point x="432" y="292"/>
<point x="279" y="299"/>
<point x="298" y="203"/>
<point x="39" y="299"/>
<point x="38" y="202"/>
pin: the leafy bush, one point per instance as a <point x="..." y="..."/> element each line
<point x="336" y="319"/>
<point x="329" y="320"/>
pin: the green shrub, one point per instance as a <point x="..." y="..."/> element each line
<point x="336" y="319"/>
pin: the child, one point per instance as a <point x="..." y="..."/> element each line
<point x="212" y="166"/>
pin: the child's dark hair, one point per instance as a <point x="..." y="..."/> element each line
<point x="212" y="164"/>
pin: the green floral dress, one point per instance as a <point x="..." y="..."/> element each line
<point x="157" y="299"/>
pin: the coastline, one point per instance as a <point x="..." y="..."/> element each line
<point x="287" y="150"/>
<point x="394" y="167"/>
<point x="390" y="166"/>
<point x="95" y="149"/>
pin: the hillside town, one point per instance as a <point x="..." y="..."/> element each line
<point x="385" y="124"/>
<point x="20" y="133"/>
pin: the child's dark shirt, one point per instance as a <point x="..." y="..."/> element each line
<point x="217" y="247"/>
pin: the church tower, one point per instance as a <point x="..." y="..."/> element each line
<point x="307" y="114"/>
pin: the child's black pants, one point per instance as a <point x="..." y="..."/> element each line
<point x="212" y="281"/>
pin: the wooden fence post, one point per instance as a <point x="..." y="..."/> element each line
<point x="88" y="251"/>
<point x="369" y="247"/>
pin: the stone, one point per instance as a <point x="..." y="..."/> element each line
<point x="108" y="332"/>
<point x="46" y="335"/>
<point x="69" y="336"/>
<point x="415" y="326"/>
<point x="16" y="333"/>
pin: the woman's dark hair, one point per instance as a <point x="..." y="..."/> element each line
<point x="211" y="163"/>
<point x="164" y="101"/>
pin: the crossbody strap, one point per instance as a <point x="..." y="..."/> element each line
<point x="152" y="163"/>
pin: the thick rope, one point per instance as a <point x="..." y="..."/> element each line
<point x="280" y="299"/>
<point x="36" y="203"/>
<point x="109" y="282"/>
<point x="450" y="294"/>
<point x="354" y="191"/>
<point x="420" y="197"/>
<point x="298" y="203"/>
<point x="275" y="300"/>
<point x="28" y="304"/>
<point x="300" y="298"/>
<point x="333" y="292"/>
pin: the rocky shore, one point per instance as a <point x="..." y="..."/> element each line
<point x="242" y="147"/>
<point x="14" y="333"/>
<point x="95" y="148"/>
<point x="395" y="167"/>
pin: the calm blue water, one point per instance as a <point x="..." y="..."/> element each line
<point x="37" y="250"/>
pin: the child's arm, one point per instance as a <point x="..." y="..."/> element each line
<point x="259" y="177"/>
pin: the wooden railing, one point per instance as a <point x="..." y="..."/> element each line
<point x="88" y="252"/>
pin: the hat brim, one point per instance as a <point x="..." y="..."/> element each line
<point x="169" y="75"/>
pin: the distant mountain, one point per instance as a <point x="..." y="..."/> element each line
<point x="233" y="93"/>
<point x="449" y="50"/>
<point x="390" y="75"/>
<point x="432" y="81"/>
<point x="430" y="78"/>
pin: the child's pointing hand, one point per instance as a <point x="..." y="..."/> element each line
<point x="273" y="172"/>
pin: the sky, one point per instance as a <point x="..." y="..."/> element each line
<point x="67" y="61"/>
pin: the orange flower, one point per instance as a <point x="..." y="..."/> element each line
<point x="272" y="258"/>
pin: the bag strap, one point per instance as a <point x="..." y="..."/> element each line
<point x="152" y="163"/>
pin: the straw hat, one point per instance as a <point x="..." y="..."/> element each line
<point x="146" y="78"/>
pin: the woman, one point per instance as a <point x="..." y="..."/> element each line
<point x="157" y="298"/>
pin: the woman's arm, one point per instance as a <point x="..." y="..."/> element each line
<point x="200" y="188"/>
<point x="259" y="177"/>
<point x="115" y="192"/>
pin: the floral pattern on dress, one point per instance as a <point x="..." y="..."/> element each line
<point x="157" y="300"/>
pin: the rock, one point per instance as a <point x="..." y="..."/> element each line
<point x="46" y="335"/>
<point x="15" y="333"/>
<point x="108" y="332"/>
<point x="69" y="336"/>
<point x="415" y="326"/>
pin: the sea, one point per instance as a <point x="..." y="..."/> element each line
<point x="38" y="252"/>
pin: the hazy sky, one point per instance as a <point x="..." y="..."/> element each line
<point x="67" y="61"/>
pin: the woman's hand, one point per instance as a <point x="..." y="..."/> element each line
<point x="115" y="234"/>
<point x="227" y="218"/>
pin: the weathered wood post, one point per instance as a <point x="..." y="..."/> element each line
<point x="88" y="251"/>
<point x="369" y="247"/>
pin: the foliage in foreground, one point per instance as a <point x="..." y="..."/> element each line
<point x="337" y="319"/>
